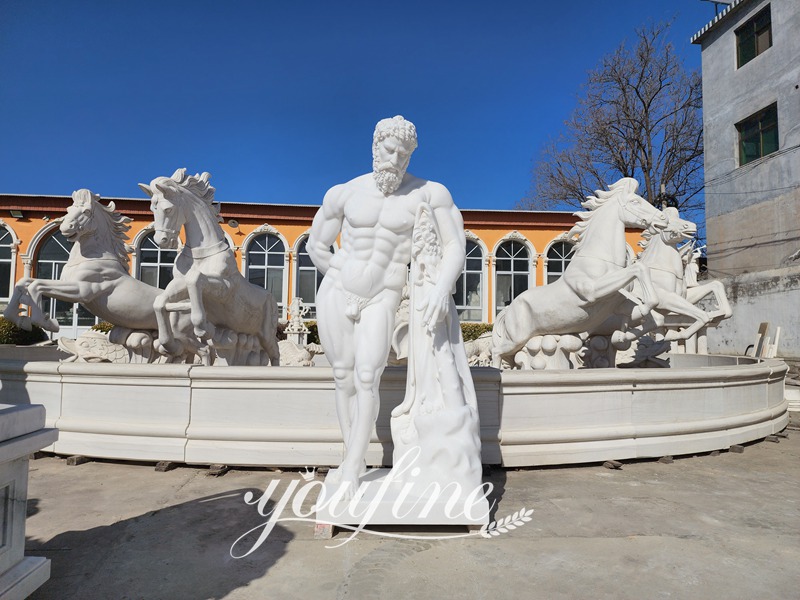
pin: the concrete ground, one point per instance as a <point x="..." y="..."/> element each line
<point x="702" y="527"/>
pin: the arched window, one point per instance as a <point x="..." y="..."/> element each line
<point x="469" y="287"/>
<point x="155" y="264"/>
<point x="265" y="259"/>
<point x="307" y="279"/>
<point x="6" y="262"/>
<point x="50" y="263"/>
<point x="512" y="273"/>
<point x="558" y="257"/>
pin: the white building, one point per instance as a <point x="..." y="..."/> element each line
<point x="751" y="120"/>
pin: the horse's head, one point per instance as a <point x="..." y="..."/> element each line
<point x="79" y="221"/>
<point x="677" y="230"/>
<point x="171" y="198"/>
<point x="167" y="210"/>
<point x="634" y="210"/>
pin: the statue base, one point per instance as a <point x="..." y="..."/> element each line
<point x="381" y="500"/>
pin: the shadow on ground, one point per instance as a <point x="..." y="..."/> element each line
<point x="157" y="555"/>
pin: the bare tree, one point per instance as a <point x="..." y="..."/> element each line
<point x="639" y="115"/>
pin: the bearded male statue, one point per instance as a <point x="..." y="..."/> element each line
<point x="362" y="288"/>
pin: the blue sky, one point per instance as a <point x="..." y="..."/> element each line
<point x="278" y="100"/>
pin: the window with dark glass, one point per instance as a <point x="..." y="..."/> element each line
<point x="512" y="272"/>
<point x="758" y="135"/>
<point x="155" y="264"/>
<point x="6" y="256"/>
<point x="558" y="257"/>
<point x="308" y="280"/>
<point x="49" y="265"/>
<point x="754" y="37"/>
<point x="469" y="287"/>
<point x="265" y="263"/>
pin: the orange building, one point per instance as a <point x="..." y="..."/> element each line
<point x="508" y="251"/>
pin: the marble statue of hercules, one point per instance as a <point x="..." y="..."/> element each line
<point x="364" y="279"/>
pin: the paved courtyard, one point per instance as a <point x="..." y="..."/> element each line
<point x="702" y="527"/>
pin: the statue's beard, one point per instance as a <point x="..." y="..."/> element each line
<point x="387" y="179"/>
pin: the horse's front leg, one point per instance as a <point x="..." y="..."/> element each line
<point x="66" y="291"/>
<point x="611" y="283"/>
<point x="174" y="291"/>
<point x="19" y="296"/>
<point x="717" y="288"/>
<point x="679" y="305"/>
<point x="197" y="284"/>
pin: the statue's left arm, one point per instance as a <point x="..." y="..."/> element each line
<point x="451" y="229"/>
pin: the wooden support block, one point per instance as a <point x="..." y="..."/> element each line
<point x="165" y="465"/>
<point x="217" y="470"/>
<point x="666" y="460"/>
<point x="323" y="531"/>
<point x="781" y="434"/>
<point x="612" y="464"/>
<point x="74" y="461"/>
<point x="736" y="449"/>
<point x="37" y="455"/>
<point x="772" y="438"/>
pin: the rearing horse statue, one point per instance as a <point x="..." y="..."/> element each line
<point x="589" y="290"/>
<point x="226" y="309"/>
<point x="665" y="260"/>
<point x="96" y="275"/>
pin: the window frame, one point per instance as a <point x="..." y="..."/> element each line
<point x="268" y="250"/>
<point x="473" y="253"/>
<point x="512" y="257"/>
<point x="758" y="125"/>
<point x="753" y="32"/>
<point x="562" y="260"/>
<point x="159" y="264"/>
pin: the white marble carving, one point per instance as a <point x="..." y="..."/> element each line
<point x="587" y="294"/>
<point x="668" y="265"/>
<point x="439" y="412"/>
<point x="236" y="319"/>
<point x="359" y="297"/>
<point x="297" y="355"/>
<point x="22" y="432"/>
<point x="548" y="352"/>
<point x="96" y="275"/>
<point x="296" y="330"/>
<point x="667" y="255"/>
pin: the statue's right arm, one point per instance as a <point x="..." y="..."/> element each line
<point x="326" y="226"/>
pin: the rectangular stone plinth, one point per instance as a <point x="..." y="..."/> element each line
<point x="383" y="502"/>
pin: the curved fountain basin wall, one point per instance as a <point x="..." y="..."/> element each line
<point x="286" y="416"/>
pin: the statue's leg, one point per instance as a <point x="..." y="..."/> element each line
<point x="372" y="337"/>
<point x="672" y="302"/>
<point x="267" y="337"/>
<point x="196" y="285"/>
<point x="717" y="288"/>
<point x="66" y="291"/>
<point x="175" y="290"/>
<point x="19" y="295"/>
<point x="336" y="334"/>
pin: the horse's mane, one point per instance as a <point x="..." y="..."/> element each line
<point x="196" y="185"/>
<point x="626" y="185"/>
<point x="112" y="227"/>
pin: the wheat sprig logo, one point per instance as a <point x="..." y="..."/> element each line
<point x="495" y="528"/>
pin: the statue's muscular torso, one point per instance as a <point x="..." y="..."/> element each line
<point x="376" y="235"/>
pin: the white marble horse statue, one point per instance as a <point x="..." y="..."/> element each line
<point x="667" y="264"/>
<point x="96" y="275"/>
<point x="588" y="292"/>
<point x="229" y="313"/>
